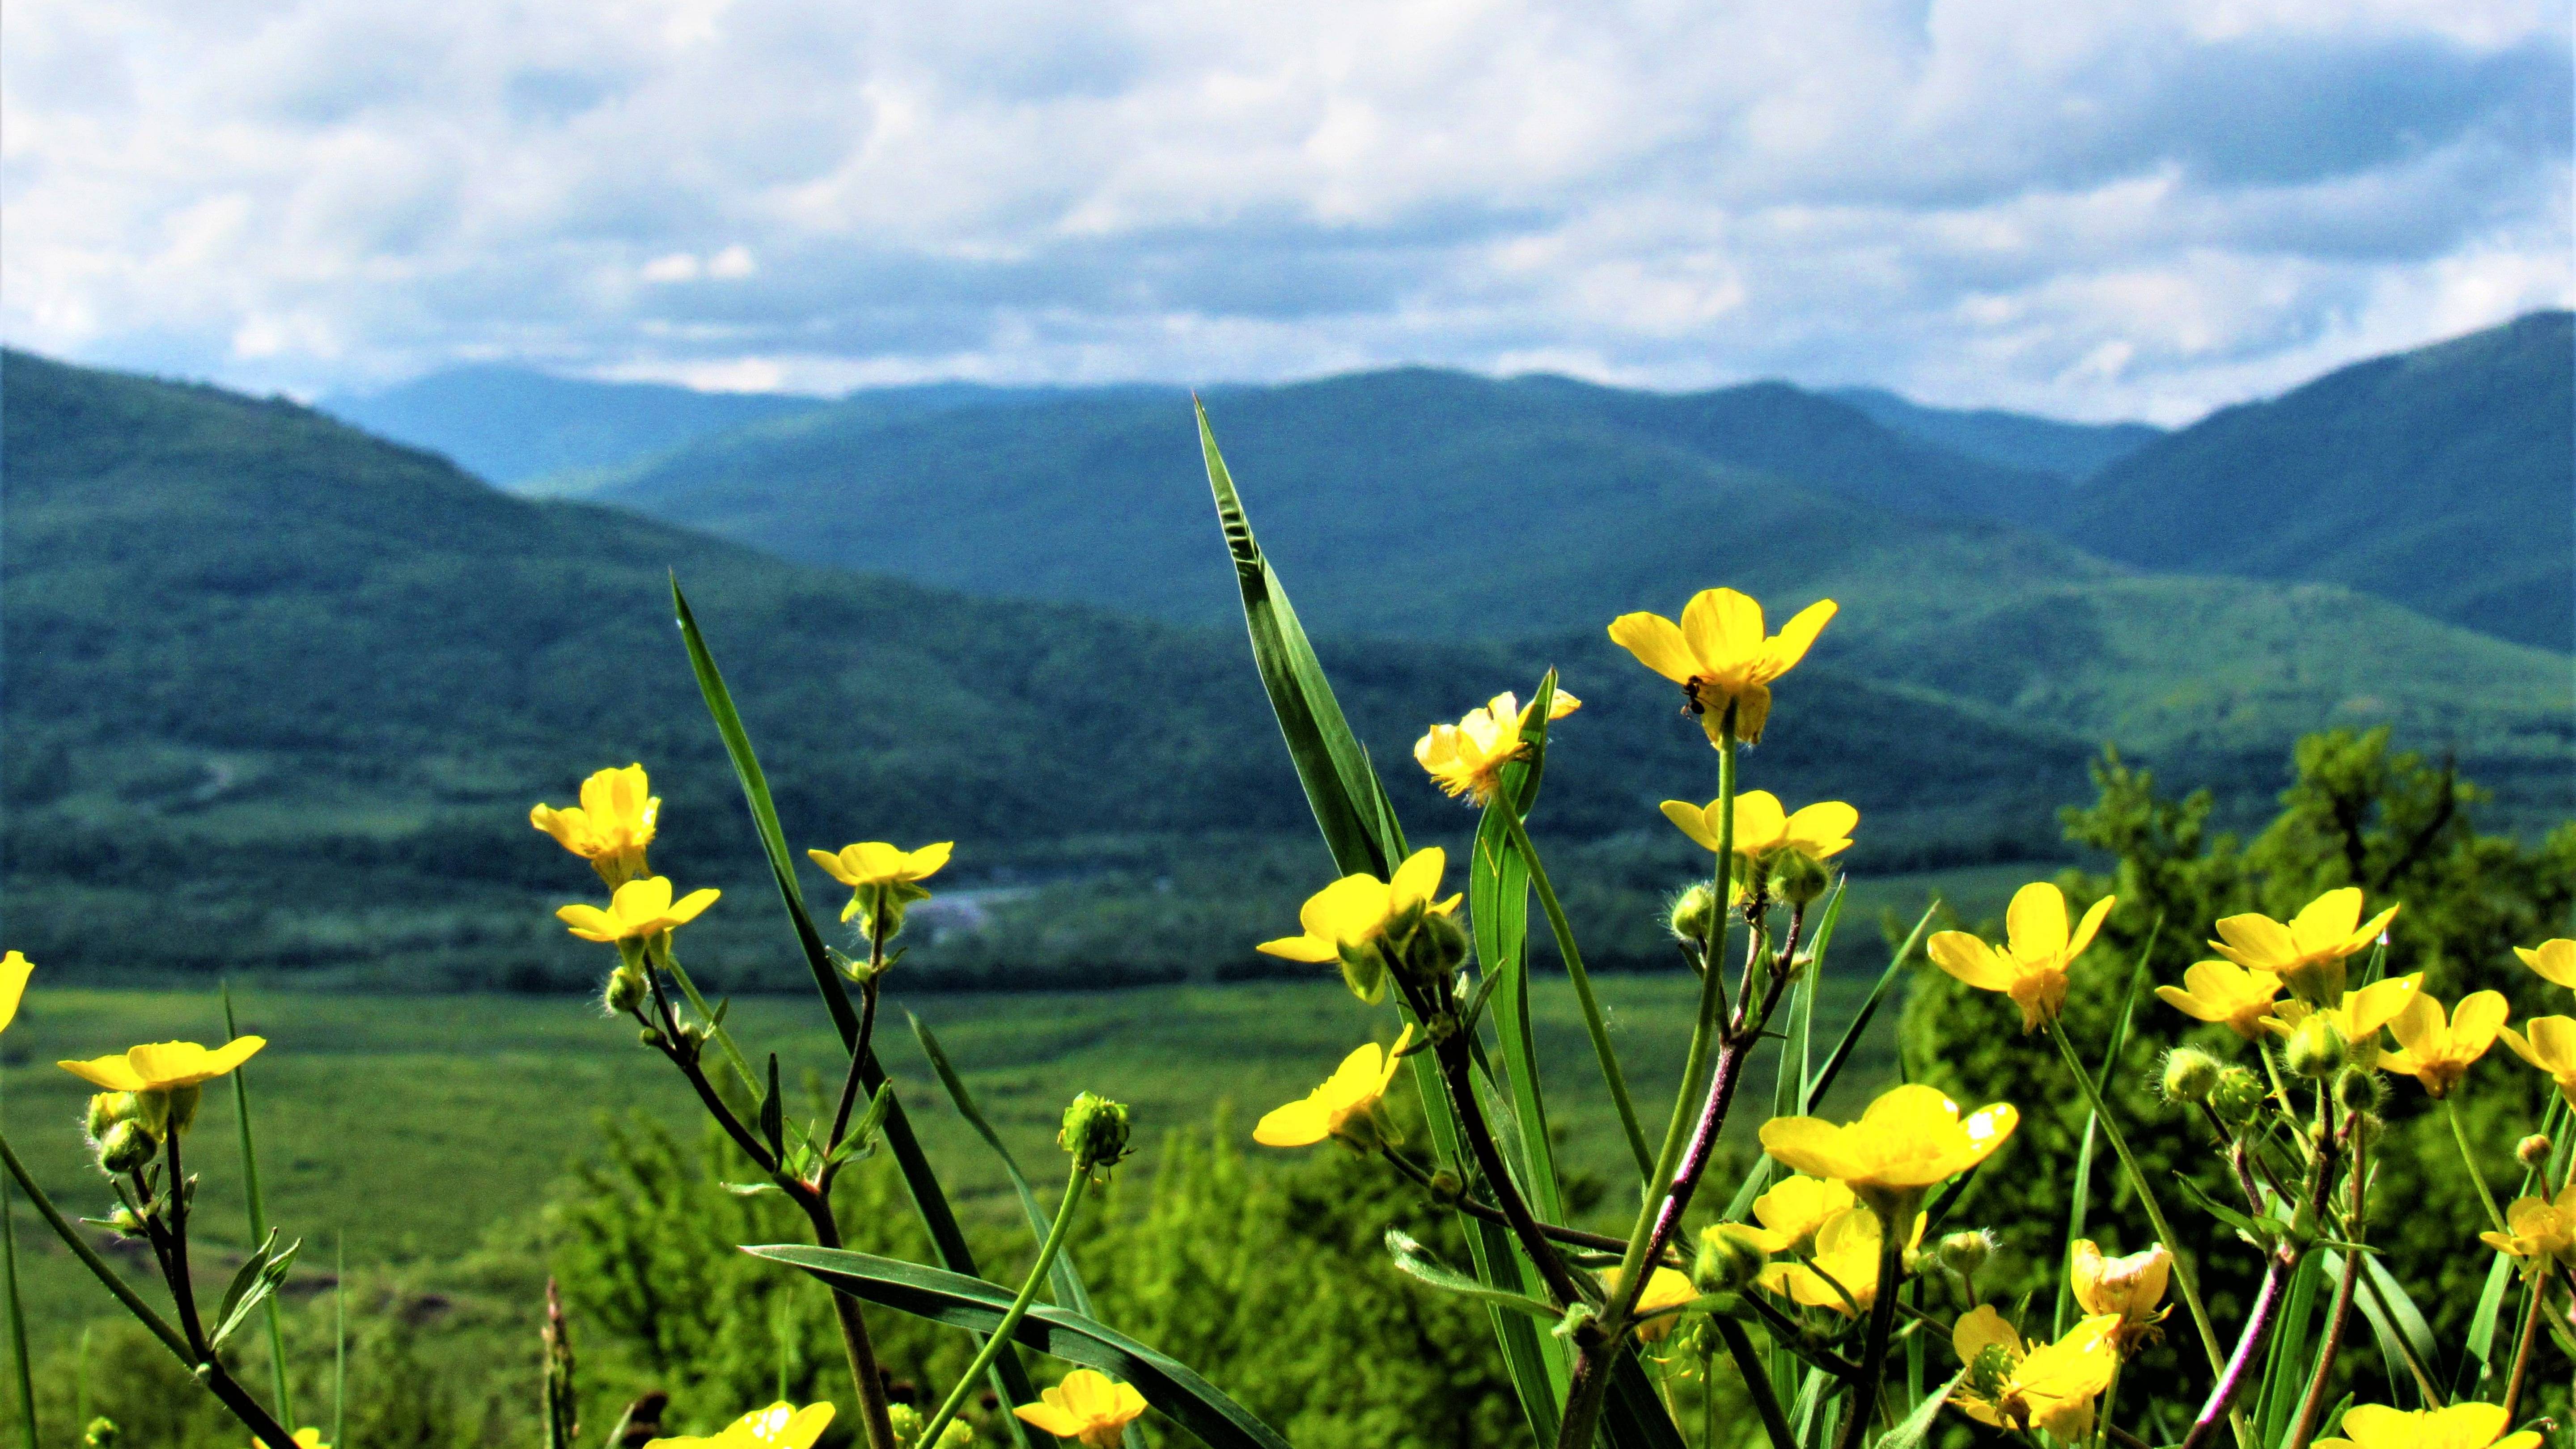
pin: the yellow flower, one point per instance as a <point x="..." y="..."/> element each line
<point x="1719" y="657"/>
<point x="2359" y="1017"/>
<point x="1792" y="1212"/>
<point x="14" y="971"/>
<point x="1909" y="1139"/>
<point x="304" y="1439"/>
<point x="2013" y="1386"/>
<point x="641" y="910"/>
<point x="1345" y="919"/>
<point x="2437" y="1050"/>
<point x="2551" y="1046"/>
<point x="610" y="827"/>
<point x="780" y="1426"/>
<point x="2554" y="960"/>
<point x="1467" y="758"/>
<point x="1817" y="832"/>
<point x="1843" y="1275"/>
<point x="2224" y="991"/>
<point x="2540" y="1228"/>
<point x="1088" y="1406"/>
<point x="1352" y="1091"/>
<point x="2308" y="953"/>
<point x="2461" y="1426"/>
<point x="1665" y="1288"/>
<point x="165" y="1066"/>
<point x="880" y="875"/>
<point x="2031" y="968"/>
<point x="2128" y="1288"/>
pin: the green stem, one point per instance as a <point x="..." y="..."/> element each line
<point x="1001" y="1335"/>
<point x="1593" y="1022"/>
<point x="715" y="1028"/>
<point x="258" y="1213"/>
<point x="340" y="1335"/>
<point x="1882" y="1324"/>
<point x="2110" y="1396"/>
<point x="2146" y="1198"/>
<point x="17" y="1319"/>
<point x="2468" y="1159"/>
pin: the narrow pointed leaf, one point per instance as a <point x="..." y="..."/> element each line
<point x="1420" y="1263"/>
<point x="1069" y="1288"/>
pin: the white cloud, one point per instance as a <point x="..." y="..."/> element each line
<point x="2117" y="207"/>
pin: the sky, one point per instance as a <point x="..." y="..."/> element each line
<point x="2087" y="208"/>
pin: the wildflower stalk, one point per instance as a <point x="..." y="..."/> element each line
<point x="17" y="1319"/>
<point x="2312" y="1405"/>
<point x="1461" y="1202"/>
<point x="258" y="1213"/>
<point x="2240" y="1367"/>
<point x="2468" y="1159"/>
<point x="1882" y="1326"/>
<point x="1593" y="1022"/>
<point x="2530" y="1333"/>
<point x="1000" y="1337"/>
<point x="1757" y="1384"/>
<point x="2110" y="1396"/>
<point x="1452" y="1053"/>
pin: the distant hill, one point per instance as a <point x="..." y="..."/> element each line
<point x="2014" y="440"/>
<point x="278" y="695"/>
<point x="2444" y="478"/>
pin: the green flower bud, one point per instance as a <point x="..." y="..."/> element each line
<point x="1725" y="1263"/>
<point x="2236" y="1096"/>
<point x="2190" y="1075"/>
<point x="125" y="1148"/>
<point x="1799" y="878"/>
<point x="1095" y="1132"/>
<point x="1687" y="917"/>
<point x="173" y="1110"/>
<point x="2357" y="1090"/>
<point x="1966" y="1253"/>
<point x="1446" y="1189"/>
<point x="1364" y="971"/>
<point x="125" y="1221"/>
<point x="1439" y="946"/>
<point x="102" y="1433"/>
<point x="2532" y="1151"/>
<point x="650" y="1036"/>
<point x="2317" y="1047"/>
<point x="625" y="992"/>
<point x="106" y="1109"/>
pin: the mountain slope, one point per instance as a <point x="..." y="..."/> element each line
<point x="2444" y="478"/>
<point x="278" y="695"/>
<point x="2015" y="440"/>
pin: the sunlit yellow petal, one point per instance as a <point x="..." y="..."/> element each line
<point x="1658" y="644"/>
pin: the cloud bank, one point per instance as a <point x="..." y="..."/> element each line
<point x="2095" y="209"/>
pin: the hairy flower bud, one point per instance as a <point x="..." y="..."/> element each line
<point x="2358" y="1091"/>
<point x="106" y="1109"/>
<point x="1726" y="1263"/>
<point x="907" y="1423"/>
<point x="1687" y="917"/>
<point x="2532" y="1151"/>
<point x="2190" y="1074"/>
<point x="1440" y="946"/>
<point x="2236" y="1096"/>
<point x="1095" y="1132"/>
<point x="625" y="991"/>
<point x="125" y="1148"/>
<point x="1799" y="878"/>
<point x="2317" y="1047"/>
<point x="1966" y="1253"/>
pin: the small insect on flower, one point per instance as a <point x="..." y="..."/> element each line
<point x="2307" y="953"/>
<point x="2538" y="1228"/>
<point x="1089" y="1407"/>
<point x="640" y="911"/>
<point x="1467" y="758"/>
<point x="1720" y="657"/>
<point x="2461" y="1426"/>
<point x="2437" y="1049"/>
<point x="14" y="971"/>
<point x="1344" y="1107"/>
<point x="2032" y="967"/>
<point x="2223" y="991"/>
<point x="1909" y="1139"/>
<point x="2554" y="961"/>
<point x="780" y="1426"/>
<point x="610" y="827"/>
<point x="2014" y="1386"/>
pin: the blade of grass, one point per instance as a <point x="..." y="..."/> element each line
<point x="339" y="1339"/>
<point x="929" y="1198"/>
<point x="2080" y="1194"/>
<point x="258" y="1212"/>
<point x="18" y="1352"/>
<point x="1498" y="888"/>
<point x="2286" y="1363"/>
<point x="1869" y="1006"/>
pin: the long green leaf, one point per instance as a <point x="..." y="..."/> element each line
<point x="1850" y="1042"/>
<point x="1419" y="1262"/>
<point x="2080" y="1195"/>
<point x="2286" y="1361"/>
<point x="978" y="1306"/>
<point x="929" y="1199"/>
<point x="1498" y="912"/>
<point x="1067" y="1279"/>
<point x="258" y="1211"/>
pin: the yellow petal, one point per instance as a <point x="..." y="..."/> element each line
<point x="14" y="971"/>
<point x="114" y="1073"/>
<point x="1970" y="960"/>
<point x="2255" y="941"/>
<point x="2328" y="920"/>
<point x="2086" y="929"/>
<point x="1760" y="823"/>
<point x="2553" y="961"/>
<point x="686" y="909"/>
<point x="1300" y="948"/>
<point x="2035" y="922"/>
<point x="924" y="863"/>
<point x="1692" y="820"/>
<point x="1810" y="1145"/>
<point x="1798" y="635"/>
<point x="1822" y="824"/>
<point x="1050" y="1419"/>
<point x="588" y="922"/>
<point x="830" y="860"/>
<point x="1723" y="627"/>
<point x="1299" y="1124"/>
<point x="1418" y="879"/>
<point x="1657" y="642"/>
<point x="1982" y="1328"/>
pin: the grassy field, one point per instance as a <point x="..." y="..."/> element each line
<point x="419" y="1128"/>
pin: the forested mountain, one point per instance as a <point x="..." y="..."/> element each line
<point x="2015" y="440"/>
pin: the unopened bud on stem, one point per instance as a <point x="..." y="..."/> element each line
<point x="2190" y="1075"/>
<point x="2317" y="1047"/>
<point x="1095" y="1132"/>
<point x="2532" y="1151"/>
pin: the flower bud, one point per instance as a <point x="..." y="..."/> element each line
<point x="125" y="1148"/>
<point x="2190" y="1074"/>
<point x="2317" y="1047"/>
<point x="1095" y="1132"/>
<point x="650" y="1036"/>
<point x="1688" y="916"/>
<point x="1439" y="946"/>
<point x="102" y="1433"/>
<point x="1726" y="1263"/>
<point x="625" y="991"/>
<point x="2359" y="1091"/>
<point x="1799" y="878"/>
<point x="2236" y="1096"/>
<point x="2532" y="1151"/>
<point x="1446" y="1188"/>
<point x="125" y="1220"/>
<point x="1364" y="971"/>
<point x="907" y="1423"/>
<point x="1966" y="1253"/>
<point x="106" y="1109"/>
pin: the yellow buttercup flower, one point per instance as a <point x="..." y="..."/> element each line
<point x="2013" y="1386"/>
<point x="14" y="971"/>
<point x="1817" y="832"/>
<point x="1665" y="1288"/>
<point x="1719" y="657"/>
<point x="2461" y="1426"/>
<point x="2226" y="992"/>
<point x="2554" y="960"/>
<point x="1345" y="920"/>
<point x="641" y="910"/>
<point x="610" y="827"/>
<point x="780" y="1426"/>
<point x="1467" y="758"/>
<point x="2437" y="1050"/>
<point x="2308" y="953"/>
<point x="881" y="876"/>
<point x="1792" y="1212"/>
<point x="165" y="1066"/>
<point x="1352" y="1091"/>
<point x="1843" y="1274"/>
<point x="1909" y="1139"/>
<point x="2359" y="1016"/>
<point x="2129" y="1288"/>
<point x="1089" y="1407"/>
<point x="2549" y="1043"/>
<point x="2540" y="1228"/>
<point x="2031" y="968"/>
